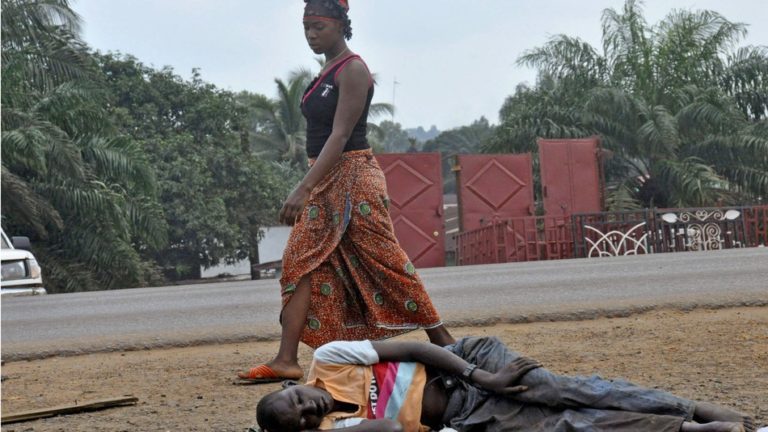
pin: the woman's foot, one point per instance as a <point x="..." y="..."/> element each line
<point x="272" y="372"/>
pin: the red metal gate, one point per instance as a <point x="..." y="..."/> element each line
<point x="756" y="224"/>
<point x="528" y="238"/>
<point x="492" y="188"/>
<point x="415" y="188"/>
<point x="571" y="179"/>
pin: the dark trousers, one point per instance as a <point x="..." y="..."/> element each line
<point x="558" y="403"/>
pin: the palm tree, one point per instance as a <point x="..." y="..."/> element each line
<point x="684" y="116"/>
<point x="85" y="192"/>
<point x="36" y="58"/>
<point x="284" y="130"/>
<point x="279" y="126"/>
<point x="378" y="110"/>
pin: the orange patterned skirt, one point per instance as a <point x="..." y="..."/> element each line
<point x="363" y="284"/>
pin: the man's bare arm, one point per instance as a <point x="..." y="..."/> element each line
<point x="431" y="355"/>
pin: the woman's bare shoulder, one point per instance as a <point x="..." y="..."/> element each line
<point x="355" y="70"/>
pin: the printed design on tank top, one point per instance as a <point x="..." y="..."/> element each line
<point x="318" y="81"/>
<point x="389" y="387"/>
<point x="327" y="89"/>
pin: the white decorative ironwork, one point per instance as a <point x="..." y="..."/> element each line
<point x="702" y="227"/>
<point x="616" y="243"/>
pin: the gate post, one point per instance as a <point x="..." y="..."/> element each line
<point x="456" y="168"/>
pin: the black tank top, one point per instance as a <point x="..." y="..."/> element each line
<point x="319" y="108"/>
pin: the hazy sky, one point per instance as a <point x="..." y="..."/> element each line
<point x="454" y="60"/>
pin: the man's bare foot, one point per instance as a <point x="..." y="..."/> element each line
<point x="715" y="426"/>
<point x="708" y="412"/>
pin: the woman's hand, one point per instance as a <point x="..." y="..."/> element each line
<point x="504" y="381"/>
<point x="293" y="205"/>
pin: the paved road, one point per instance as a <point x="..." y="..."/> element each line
<point x="477" y="295"/>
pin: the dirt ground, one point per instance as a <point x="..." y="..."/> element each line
<point x="715" y="355"/>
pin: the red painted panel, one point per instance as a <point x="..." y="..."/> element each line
<point x="570" y="176"/>
<point x="415" y="188"/>
<point x="493" y="187"/>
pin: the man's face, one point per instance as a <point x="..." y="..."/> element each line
<point x="302" y="407"/>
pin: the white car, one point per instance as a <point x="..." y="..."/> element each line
<point x="21" y="274"/>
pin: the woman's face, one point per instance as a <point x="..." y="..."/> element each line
<point x="321" y="34"/>
<point x="302" y="407"/>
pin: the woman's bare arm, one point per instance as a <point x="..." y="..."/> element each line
<point x="354" y="82"/>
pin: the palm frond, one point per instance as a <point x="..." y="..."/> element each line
<point x="692" y="182"/>
<point x="659" y="133"/>
<point x="627" y="46"/>
<point x="23" y="204"/>
<point x="708" y="111"/>
<point x="147" y="221"/>
<point x="65" y="274"/>
<point x="565" y="57"/>
<point x="746" y="79"/>
<point x="622" y="197"/>
<point x="82" y="200"/>
<point x="380" y="109"/>
<point x="119" y="160"/>
<point x="24" y="20"/>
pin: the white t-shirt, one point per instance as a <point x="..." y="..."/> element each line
<point x="347" y="352"/>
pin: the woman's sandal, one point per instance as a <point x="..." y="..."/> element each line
<point x="261" y="374"/>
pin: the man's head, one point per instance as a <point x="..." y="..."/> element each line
<point x="295" y="408"/>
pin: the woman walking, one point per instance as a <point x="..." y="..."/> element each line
<point x="345" y="277"/>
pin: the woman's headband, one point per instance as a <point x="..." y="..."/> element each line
<point x="329" y="9"/>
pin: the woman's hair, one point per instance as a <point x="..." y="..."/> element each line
<point x="336" y="9"/>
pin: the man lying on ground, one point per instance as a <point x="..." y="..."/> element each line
<point x="476" y="384"/>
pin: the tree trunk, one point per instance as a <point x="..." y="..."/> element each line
<point x="253" y="255"/>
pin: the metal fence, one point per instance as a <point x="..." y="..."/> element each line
<point x="590" y="235"/>
<point x="756" y="225"/>
<point x="612" y="233"/>
<point x="529" y="238"/>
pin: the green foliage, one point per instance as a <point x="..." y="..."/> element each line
<point x="389" y="137"/>
<point x="462" y="140"/>
<point x="83" y="192"/>
<point x="683" y="114"/>
<point x="278" y="125"/>
<point x="216" y="191"/>
<point x="124" y="174"/>
<point x="546" y="111"/>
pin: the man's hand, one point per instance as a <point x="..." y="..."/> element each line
<point x="378" y="425"/>
<point x="504" y="381"/>
<point x="293" y="205"/>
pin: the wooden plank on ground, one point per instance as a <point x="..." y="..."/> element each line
<point x="69" y="409"/>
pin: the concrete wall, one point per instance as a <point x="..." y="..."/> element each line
<point x="271" y="248"/>
<point x="272" y="245"/>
